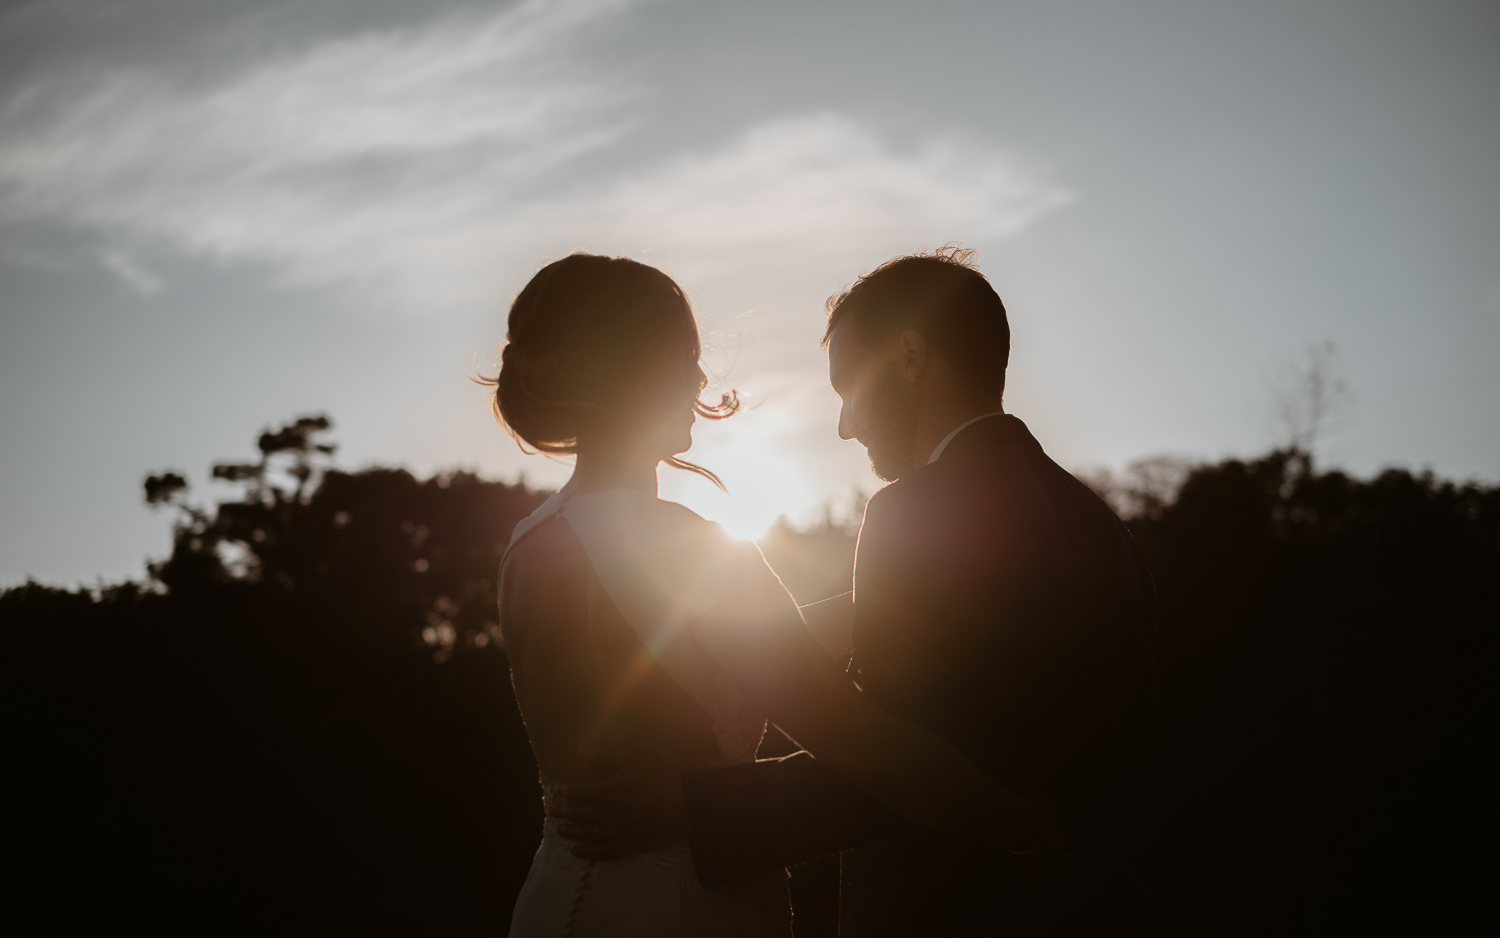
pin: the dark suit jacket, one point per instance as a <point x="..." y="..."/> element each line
<point x="1002" y="605"/>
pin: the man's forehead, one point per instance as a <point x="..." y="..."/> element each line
<point x="848" y="349"/>
<point x="843" y="351"/>
<point x="846" y="344"/>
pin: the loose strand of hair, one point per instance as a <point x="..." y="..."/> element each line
<point x="729" y="405"/>
<point x="678" y="463"/>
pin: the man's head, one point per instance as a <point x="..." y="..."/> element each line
<point x="914" y="341"/>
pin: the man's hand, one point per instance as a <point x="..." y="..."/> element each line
<point x="639" y="806"/>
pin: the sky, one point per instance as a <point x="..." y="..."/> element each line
<point x="217" y="217"/>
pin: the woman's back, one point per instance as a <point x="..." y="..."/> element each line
<point x="582" y="676"/>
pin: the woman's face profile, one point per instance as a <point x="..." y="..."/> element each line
<point x="656" y="417"/>
<point x="670" y="394"/>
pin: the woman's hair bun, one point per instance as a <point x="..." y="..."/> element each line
<point x="579" y="334"/>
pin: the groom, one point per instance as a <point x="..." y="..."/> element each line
<point x="997" y="602"/>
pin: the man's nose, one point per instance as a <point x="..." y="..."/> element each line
<point x="846" y="426"/>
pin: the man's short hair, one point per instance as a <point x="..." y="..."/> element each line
<point x="942" y="295"/>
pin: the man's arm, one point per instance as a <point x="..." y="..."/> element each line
<point x="740" y="820"/>
<point x="767" y="815"/>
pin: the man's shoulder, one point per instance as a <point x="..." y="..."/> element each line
<point x="994" y="477"/>
<point x="981" y="459"/>
<point x="908" y="498"/>
<point x="924" y="510"/>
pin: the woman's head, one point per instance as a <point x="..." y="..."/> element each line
<point x="602" y="352"/>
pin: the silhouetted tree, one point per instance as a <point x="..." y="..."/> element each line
<point x="1309" y="399"/>
<point x="302" y="720"/>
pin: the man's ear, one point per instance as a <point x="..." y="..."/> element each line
<point x="911" y="356"/>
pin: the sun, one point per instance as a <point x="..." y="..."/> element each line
<point x="764" y="483"/>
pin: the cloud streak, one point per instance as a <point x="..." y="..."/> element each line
<point x="402" y="164"/>
<point x="429" y="169"/>
<point x="339" y="164"/>
<point x="138" y="277"/>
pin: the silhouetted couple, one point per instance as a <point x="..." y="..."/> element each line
<point x="972" y="714"/>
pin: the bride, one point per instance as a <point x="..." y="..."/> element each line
<point x="632" y="622"/>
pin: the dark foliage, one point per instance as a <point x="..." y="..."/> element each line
<point x="302" y="720"/>
<point x="1326" y="698"/>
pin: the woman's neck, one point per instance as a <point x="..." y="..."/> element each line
<point x="598" y="471"/>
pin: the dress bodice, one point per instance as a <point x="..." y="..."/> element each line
<point x="662" y="566"/>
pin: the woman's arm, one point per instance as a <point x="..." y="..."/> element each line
<point x="761" y="643"/>
<point x="831" y="622"/>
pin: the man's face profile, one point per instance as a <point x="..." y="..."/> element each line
<point x="879" y="409"/>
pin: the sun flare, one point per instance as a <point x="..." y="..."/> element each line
<point x="764" y="483"/>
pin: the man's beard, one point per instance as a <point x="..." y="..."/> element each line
<point x="892" y="432"/>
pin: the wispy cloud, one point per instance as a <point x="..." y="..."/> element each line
<point x="403" y="164"/>
<point x="141" y="279"/>
<point x="432" y="167"/>
<point x="354" y="162"/>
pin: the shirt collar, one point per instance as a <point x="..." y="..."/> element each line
<point x="956" y="431"/>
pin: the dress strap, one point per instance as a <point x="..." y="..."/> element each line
<point x="548" y="510"/>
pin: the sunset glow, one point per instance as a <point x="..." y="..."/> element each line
<point x="762" y="470"/>
<point x="333" y="210"/>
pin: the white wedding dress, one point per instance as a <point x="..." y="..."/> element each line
<point x="661" y="566"/>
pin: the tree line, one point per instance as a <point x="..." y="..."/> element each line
<point x="302" y="719"/>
